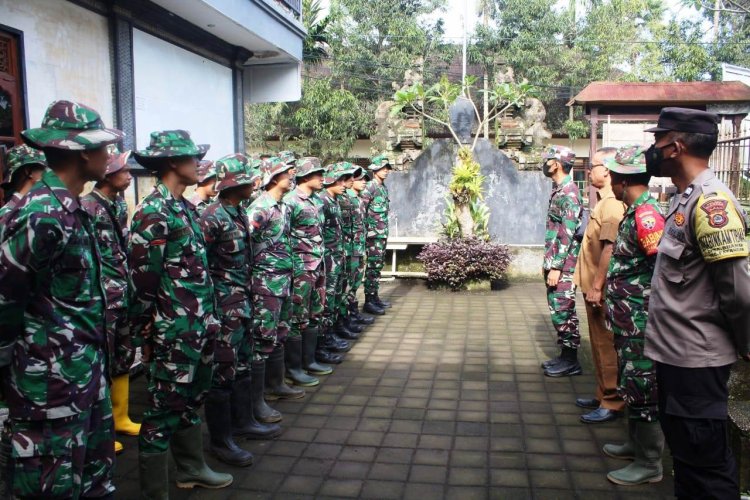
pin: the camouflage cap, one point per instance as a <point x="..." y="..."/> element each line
<point x="629" y="160"/>
<point x="169" y="144"/>
<point x="117" y="161"/>
<point x="206" y="170"/>
<point x="20" y="156"/>
<point x="233" y="170"/>
<point x="72" y="126"/>
<point x="561" y="153"/>
<point x="309" y="165"/>
<point x="272" y="167"/>
<point x="287" y="156"/>
<point x="379" y="162"/>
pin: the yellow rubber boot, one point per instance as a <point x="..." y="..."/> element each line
<point x="118" y="447"/>
<point x="120" y="395"/>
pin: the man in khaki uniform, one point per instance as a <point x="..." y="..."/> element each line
<point x="699" y="312"/>
<point x="590" y="275"/>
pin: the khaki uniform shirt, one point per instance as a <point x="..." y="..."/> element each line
<point x="602" y="228"/>
<point x="699" y="314"/>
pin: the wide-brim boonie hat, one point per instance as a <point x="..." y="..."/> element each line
<point x="378" y="163"/>
<point x="117" y="162"/>
<point x="232" y="171"/>
<point x="169" y="144"/>
<point x="309" y="165"/>
<point x="272" y="167"/>
<point x="629" y="160"/>
<point x="21" y="156"/>
<point x="71" y="126"/>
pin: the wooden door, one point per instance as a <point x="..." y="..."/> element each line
<point x="11" y="102"/>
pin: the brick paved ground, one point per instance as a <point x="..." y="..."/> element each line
<point x="442" y="398"/>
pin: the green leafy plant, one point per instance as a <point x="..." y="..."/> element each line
<point x="457" y="261"/>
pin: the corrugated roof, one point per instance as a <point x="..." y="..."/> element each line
<point x="666" y="93"/>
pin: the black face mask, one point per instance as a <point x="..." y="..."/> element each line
<point x="654" y="158"/>
<point x="546" y="167"/>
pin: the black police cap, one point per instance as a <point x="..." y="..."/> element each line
<point x="686" y="120"/>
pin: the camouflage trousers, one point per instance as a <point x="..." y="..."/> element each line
<point x="271" y="316"/>
<point x="233" y="351"/>
<point x="375" y="256"/>
<point x="173" y="403"/>
<point x="308" y="299"/>
<point x="334" y="293"/>
<point x="122" y="352"/>
<point x="356" y="270"/>
<point x="562" y="307"/>
<point x="636" y="383"/>
<point x="69" y="457"/>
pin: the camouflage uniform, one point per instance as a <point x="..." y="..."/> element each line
<point x="226" y="233"/>
<point x="627" y="297"/>
<point x="272" y="270"/>
<point x="376" y="203"/>
<point x="308" y="289"/>
<point x="172" y="301"/>
<point x="52" y="308"/>
<point x="350" y="209"/>
<point x="334" y="248"/>
<point x="111" y="224"/>
<point x="561" y="253"/>
<point x="358" y="248"/>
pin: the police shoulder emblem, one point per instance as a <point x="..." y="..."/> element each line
<point x="716" y="209"/>
<point x="679" y="219"/>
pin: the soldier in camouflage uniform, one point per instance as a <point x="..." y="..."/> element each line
<point x="357" y="249"/>
<point x="205" y="191"/>
<point x="308" y="284"/>
<point x="110" y="213"/>
<point x="334" y="180"/>
<point x="271" y="287"/>
<point x="25" y="166"/>
<point x="626" y="301"/>
<point x="172" y="313"/>
<point x="226" y="232"/>
<point x="560" y="256"/>
<point x="346" y="326"/>
<point x="376" y="202"/>
<point x="52" y="312"/>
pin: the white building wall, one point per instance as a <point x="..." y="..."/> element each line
<point x="66" y="55"/>
<point x="177" y="89"/>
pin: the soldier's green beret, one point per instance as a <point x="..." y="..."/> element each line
<point x="20" y="156"/>
<point x="309" y="165"/>
<point x="233" y="170"/>
<point x="169" y="144"/>
<point x="379" y="162"/>
<point x="72" y="126"/>
<point x="629" y="160"/>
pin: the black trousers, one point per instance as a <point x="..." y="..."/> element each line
<point x="693" y="416"/>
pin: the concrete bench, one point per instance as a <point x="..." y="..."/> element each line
<point x="397" y="243"/>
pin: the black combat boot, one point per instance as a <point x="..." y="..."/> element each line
<point x="328" y="357"/>
<point x="359" y="317"/>
<point x="551" y="362"/>
<point x="342" y="331"/>
<point x="332" y="343"/>
<point x="244" y="423"/>
<point x="309" y="346"/>
<point x="219" y="422"/>
<point x="276" y="388"/>
<point x="384" y="304"/>
<point x="293" y="358"/>
<point x="371" y="306"/>
<point x="262" y="412"/>
<point x="567" y="366"/>
<point x="351" y="324"/>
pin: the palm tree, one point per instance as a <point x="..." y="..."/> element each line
<point x="316" y="44"/>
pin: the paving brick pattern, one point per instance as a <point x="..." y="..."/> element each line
<point x="442" y="398"/>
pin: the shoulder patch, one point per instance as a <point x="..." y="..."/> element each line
<point x="649" y="225"/>
<point x="719" y="228"/>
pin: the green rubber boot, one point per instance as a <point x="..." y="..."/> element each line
<point x="192" y="470"/>
<point x="153" y="476"/>
<point x="646" y="468"/>
<point x="623" y="451"/>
